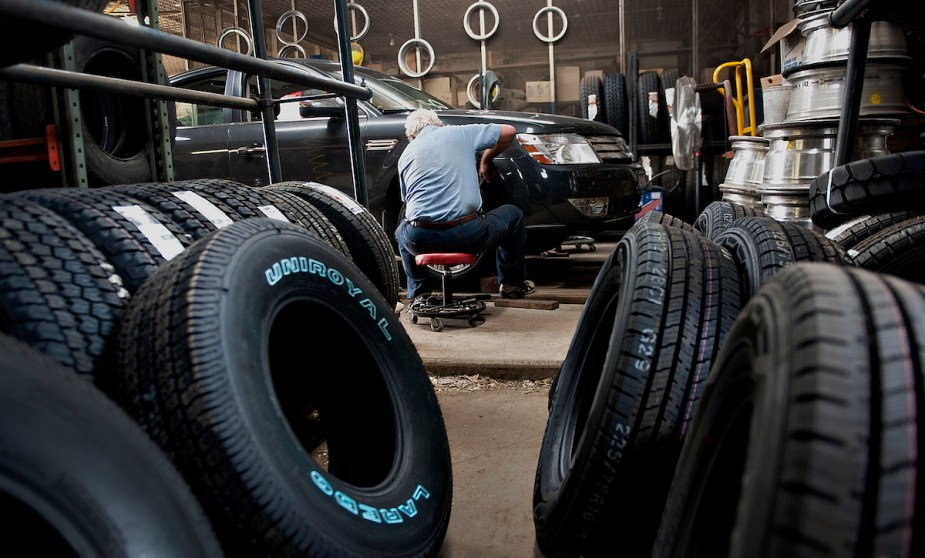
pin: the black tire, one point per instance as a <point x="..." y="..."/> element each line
<point x="24" y="109"/>
<point x="897" y="250"/>
<point x="194" y="214"/>
<point x="237" y="201"/>
<point x="717" y="217"/>
<point x="649" y="126"/>
<point x="616" y="108"/>
<point x="881" y="184"/>
<point x="657" y="312"/>
<point x="134" y="243"/>
<point x="367" y="241"/>
<point x="762" y="246"/>
<point x="664" y="119"/>
<point x="807" y="438"/>
<point x="115" y="127"/>
<point x="79" y="478"/>
<point x="57" y="291"/>
<point x="592" y="85"/>
<point x="309" y="218"/>
<point x="669" y="78"/>
<point x="21" y="41"/>
<point x="850" y="233"/>
<point x="665" y="219"/>
<point x="244" y="423"/>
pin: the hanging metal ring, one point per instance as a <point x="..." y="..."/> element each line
<point x="536" y="20"/>
<point x="292" y="14"/>
<point x="288" y="49"/>
<point x="239" y="31"/>
<point x="405" y="48"/>
<point x="475" y="102"/>
<point x="481" y="5"/>
<point x="365" y="29"/>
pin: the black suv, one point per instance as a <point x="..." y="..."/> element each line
<point x="570" y="176"/>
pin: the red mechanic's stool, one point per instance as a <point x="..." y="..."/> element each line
<point x="439" y="308"/>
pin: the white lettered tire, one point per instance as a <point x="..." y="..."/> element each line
<point x="252" y="349"/>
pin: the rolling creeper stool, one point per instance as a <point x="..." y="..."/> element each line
<point x="439" y="308"/>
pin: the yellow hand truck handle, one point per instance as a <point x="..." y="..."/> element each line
<point x="739" y="100"/>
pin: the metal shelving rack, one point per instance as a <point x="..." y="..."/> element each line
<point x="153" y="43"/>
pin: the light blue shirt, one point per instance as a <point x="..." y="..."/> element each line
<point x="438" y="171"/>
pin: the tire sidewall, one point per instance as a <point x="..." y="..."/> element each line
<point x="106" y="167"/>
<point x="257" y="291"/>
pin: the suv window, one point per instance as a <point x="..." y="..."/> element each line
<point x="191" y="114"/>
<point x="289" y="110"/>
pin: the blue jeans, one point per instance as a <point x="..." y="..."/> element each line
<point x="502" y="227"/>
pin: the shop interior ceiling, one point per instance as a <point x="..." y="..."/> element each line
<point x="662" y="31"/>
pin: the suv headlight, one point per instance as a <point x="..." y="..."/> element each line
<point x="561" y="149"/>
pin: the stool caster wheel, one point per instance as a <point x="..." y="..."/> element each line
<point x="436" y="324"/>
<point x="414" y="319"/>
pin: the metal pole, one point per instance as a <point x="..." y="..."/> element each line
<point x="483" y="83"/>
<point x="854" y="85"/>
<point x="267" y="109"/>
<point x="61" y="16"/>
<point x="62" y="78"/>
<point x="695" y="38"/>
<point x="417" y="35"/>
<point x="184" y="25"/>
<point x="353" y="115"/>
<point x="552" y="62"/>
<point x="622" y="37"/>
<point x="847" y="12"/>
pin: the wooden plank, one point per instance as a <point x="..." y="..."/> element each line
<point x="528" y="303"/>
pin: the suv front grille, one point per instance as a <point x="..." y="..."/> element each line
<point x="610" y="149"/>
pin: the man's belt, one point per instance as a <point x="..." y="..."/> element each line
<point x="444" y="225"/>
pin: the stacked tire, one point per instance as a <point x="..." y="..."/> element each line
<point x="806" y="439"/>
<point x="659" y="314"/>
<point x="210" y="312"/>
<point x="876" y="208"/>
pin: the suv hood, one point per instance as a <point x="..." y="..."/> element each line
<point x="529" y="122"/>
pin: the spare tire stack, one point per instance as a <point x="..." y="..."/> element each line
<point x="803" y="439"/>
<point x="208" y="310"/>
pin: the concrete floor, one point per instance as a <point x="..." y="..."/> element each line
<point x="492" y="382"/>
<point x="495" y="437"/>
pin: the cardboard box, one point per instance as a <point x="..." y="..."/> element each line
<point x="539" y="92"/>
<point x="598" y="73"/>
<point x="443" y="88"/>
<point x="790" y="41"/>
<point x="568" y="83"/>
<point x="462" y="97"/>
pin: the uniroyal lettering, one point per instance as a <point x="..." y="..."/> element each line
<point x="300" y="264"/>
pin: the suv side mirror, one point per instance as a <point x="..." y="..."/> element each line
<point x="313" y="109"/>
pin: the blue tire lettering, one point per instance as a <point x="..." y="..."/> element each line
<point x="370" y="513"/>
<point x="336" y="277"/>
<point x="391" y="516"/>
<point x="347" y="502"/>
<point x="408" y="508"/>
<point x="322" y="483"/>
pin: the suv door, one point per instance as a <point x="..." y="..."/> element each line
<point x="311" y="147"/>
<point x="201" y="142"/>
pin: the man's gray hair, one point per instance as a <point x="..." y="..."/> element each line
<point x="420" y="119"/>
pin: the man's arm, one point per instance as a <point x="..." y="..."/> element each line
<point x="504" y="141"/>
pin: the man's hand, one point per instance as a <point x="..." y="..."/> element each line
<point x="485" y="167"/>
<point x="504" y="141"/>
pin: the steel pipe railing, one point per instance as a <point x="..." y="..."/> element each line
<point x="74" y="80"/>
<point x="84" y="22"/>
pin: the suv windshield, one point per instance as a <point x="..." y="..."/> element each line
<point x="394" y="95"/>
